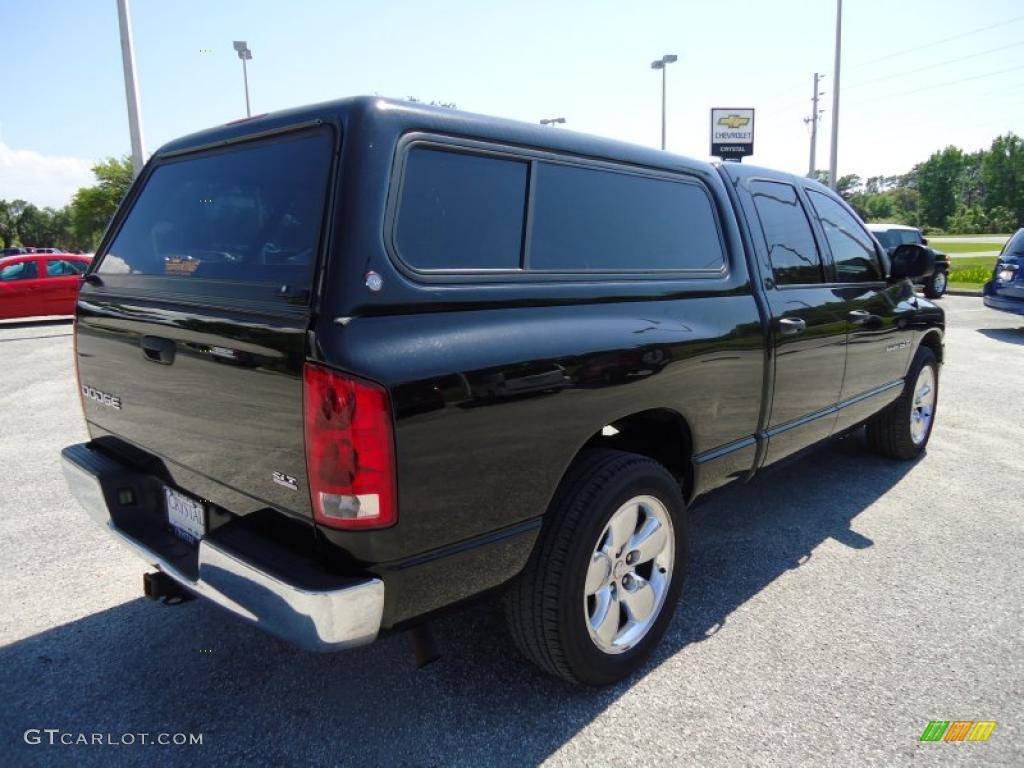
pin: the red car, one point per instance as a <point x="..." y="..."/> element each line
<point x="34" y="284"/>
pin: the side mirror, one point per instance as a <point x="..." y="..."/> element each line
<point x="912" y="261"/>
<point x="924" y="241"/>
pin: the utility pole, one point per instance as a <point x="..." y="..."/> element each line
<point x="813" y="120"/>
<point x="131" y="86"/>
<point x="834" y="162"/>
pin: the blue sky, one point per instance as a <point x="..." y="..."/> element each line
<point x="62" y="102"/>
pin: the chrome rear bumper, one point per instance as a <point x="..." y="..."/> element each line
<point x="317" y="620"/>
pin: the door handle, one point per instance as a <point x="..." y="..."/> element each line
<point x="859" y="316"/>
<point x="789" y="326"/>
<point x="863" y="317"/>
<point x="158" y="349"/>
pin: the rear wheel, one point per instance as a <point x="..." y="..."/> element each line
<point x="902" y="430"/>
<point x="604" y="578"/>
<point x="935" y="286"/>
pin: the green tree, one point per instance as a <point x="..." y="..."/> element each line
<point x="848" y="185"/>
<point x="874" y="185"/>
<point x="1002" y="220"/>
<point x="936" y="181"/>
<point x="10" y="214"/>
<point x="6" y="225"/>
<point x="970" y="189"/>
<point x="969" y="219"/>
<point x="879" y="206"/>
<point x="50" y="227"/>
<point x="93" y="207"/>
<point x="906" y="202"/>
<point x="31" y="226"/>
<point x="1002" y="173"/>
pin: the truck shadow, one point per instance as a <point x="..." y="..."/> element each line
<point x="1009" y="335"/>
<point x="140" y="667"/>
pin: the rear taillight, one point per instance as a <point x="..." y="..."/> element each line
<point x="350" y="453"/>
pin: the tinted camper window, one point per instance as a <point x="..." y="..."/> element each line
<point x="589" y="219"/>
<point x="248" y="214"/>
<point x="461" y="211"/>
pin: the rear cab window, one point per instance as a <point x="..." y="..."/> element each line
<point x="242" y="221"/>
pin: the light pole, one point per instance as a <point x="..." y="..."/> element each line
<point x="661" y="64"/>
<point x="833" y="169"/>
<point x="552" y="120"/>
<point x="131" y="86"/>
<point x="245" y="55"/>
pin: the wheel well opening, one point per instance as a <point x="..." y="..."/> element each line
<point x="660" y="434"/>
<point x="934" y="343"/>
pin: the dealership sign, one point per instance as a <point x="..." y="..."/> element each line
<point x="732" y="133"/>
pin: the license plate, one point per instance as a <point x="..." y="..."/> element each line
<point x="185" y="515"/>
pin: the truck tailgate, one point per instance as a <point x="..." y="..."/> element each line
<point x="224" y="402"/>
<point x="191" y="333"/>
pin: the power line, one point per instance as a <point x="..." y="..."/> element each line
<point x="937" y="42"/>
<point x="789" y="106"/>
<point x="935" y="65"/>
<point x="941" y="85"/>
<point x="793" y="104"/>
<point x="989" y="96"/>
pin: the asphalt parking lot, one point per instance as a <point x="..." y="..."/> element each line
<point x="833" y="608"/>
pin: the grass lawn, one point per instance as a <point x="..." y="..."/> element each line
<point x="963" y="246"/>
<point x="971" y="271"/>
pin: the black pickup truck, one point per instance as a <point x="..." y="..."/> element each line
<point x="349" y="365"/>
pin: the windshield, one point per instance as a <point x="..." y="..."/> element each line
<point x="887" y="238"/>
<point x="249" y="214"/>
<point x="1015" y="245"/>
<point x="891" y="238"/>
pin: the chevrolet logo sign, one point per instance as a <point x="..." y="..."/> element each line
<point x="733" y="121"/>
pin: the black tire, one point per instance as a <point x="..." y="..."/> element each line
<point x="889" y="433"/>
<point x="935" y="286"/>
<point x="545" y="605"/>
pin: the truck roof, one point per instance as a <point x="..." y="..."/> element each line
<point x="373" y="115"/>
<point x="881" y="227"/>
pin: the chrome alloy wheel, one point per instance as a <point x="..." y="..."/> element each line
<point x="939" y="283"/>
<point x="922" y="410"/>
<point x="629" y="574"/>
